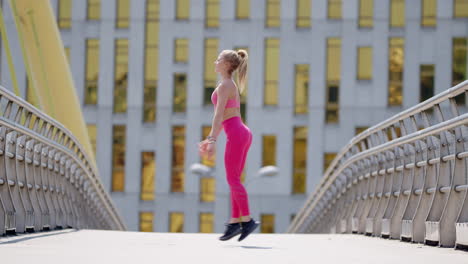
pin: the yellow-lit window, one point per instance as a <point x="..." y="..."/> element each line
<point x="269" y="150"/>
<point x="271" y="71"/>
<point x="123" y="13"/>
<point x="459" y="54"/>
<point x="180" y="93"/>
<point x="181" y="50"/>
<point x="429" y="13"/>
<point x="460" y="8"/>
<point x="206" y="222"/>
<point x="118" y="158"/>
<point x="299" y="160"/>
<point x="395" y="71"/>
<point x="92" y="133"/>
<point x="205" y="161"/>
<point x="211" y="54"/>
<point x="94" y="10"/>
<point x="397" y="131"/>
<point x="273" y="10"/>
<point x="359" y="129"/>
<point x="182" y="9"/>
<point x="151" y="60"/>
<point x="366" y="11"/>
<point x="92" y="71"/>
<point x="242" y="9"/>
<point x="302" y="89"/>
<point x="64" y="13"/>
<point x="268" y="223"/>
<point x="303" y="10"/>
<point x="397" y="13"/>
<point x="212" y="13"/>
<point x="243" y="99"/>
<point x="178" y="159"/>
<point x="120" y="75"/>
<point x="327" y="160"/>
<point x="333" y="79"/>
<point x="176" y="222"/>
<point x="426" y="82"/>
<point x="146" y="221"/>
<point x="334" y="9"/>
<point x="364" y="63"/>
<point x="207" y="189"/>
<point x="148" y="167"/>
<point x="67" y="54"/>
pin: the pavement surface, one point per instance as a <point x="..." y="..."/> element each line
<point x="98" y="246"/>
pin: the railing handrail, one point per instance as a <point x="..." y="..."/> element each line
<point x="437" y="99"/>
<point x="92" y="173"/>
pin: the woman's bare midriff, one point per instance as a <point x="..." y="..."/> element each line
<point x="233" y="111"/>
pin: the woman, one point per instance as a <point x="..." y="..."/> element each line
<point x="226" y="100"/>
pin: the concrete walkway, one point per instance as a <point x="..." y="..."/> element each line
<point x="97" y="246"/>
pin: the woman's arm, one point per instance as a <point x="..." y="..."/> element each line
<point x="223" y="95"/>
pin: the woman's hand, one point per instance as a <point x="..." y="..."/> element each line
<point x="206" y="149"/>
<point x="211" y="150"/>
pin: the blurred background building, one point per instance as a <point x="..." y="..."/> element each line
<point x="320" y="71"/>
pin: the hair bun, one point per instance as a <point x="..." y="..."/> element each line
<point x="242" y="53"/>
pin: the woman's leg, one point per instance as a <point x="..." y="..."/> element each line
<point x="233" y="158"/>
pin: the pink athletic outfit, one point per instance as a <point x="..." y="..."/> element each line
<point x="239" y="139"/>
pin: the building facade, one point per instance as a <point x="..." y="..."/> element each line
<point x="320" y="71"/>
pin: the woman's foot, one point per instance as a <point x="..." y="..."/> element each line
<point x="232" y="229"/>
<point x="247" y="228"/>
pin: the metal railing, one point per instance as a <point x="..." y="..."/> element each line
<point x="405" y="178"/>
<point x="46" y="179"/>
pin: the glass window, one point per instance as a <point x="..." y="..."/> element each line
<point x="212" y="13"/>
<point x="360" y="129"/>
<point x="205" y="161"/>
<point x="176" y="222"/>
<point x="397" y="13"/>
<point x="151" y="60"/>
<point x="429" y="13"/>
<point x="460" y="8"/>
<point x="92" y="133"/>
<point x="327" y="160"/>
<point x="148" y="170"/>
<point x="206" y="223"/>
<point x="268" y="223"/>
<point x="271" y="71"/>
<point x="333" y="79"/>
<point x="120" y="75"/>
<point x="92" y="71"/>
<point x="396" y="61"/>
<point x="64" y="14"/>
<point x="181" y="50"/>
<point x="459" y="53"/>
<point x="273" y="10"/>
<point x="334" y="9"/>
<point x="364" y="63"/>
<point x="303" y="10"/>
<point x="300" y="160"/>
<point x="118" y="158"/>
<point x="180" y="93"/>
<point x="211" y="54"/>
<point x="302" y="89"/>
<point x="426" y="82"/>
<point x="146" y="221"/>
<point x="183" y="9"/>
<point x="269" y="150"/>
<point x="123" y="13"/>
<point x="178" y="159"/>
<point x="366" y="11"/>
<point x="207" y="189"/>
<point x="243" y="9"/>
<point x="94" y="10"/>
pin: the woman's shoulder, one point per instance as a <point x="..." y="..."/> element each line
<point x="226" y="85"/>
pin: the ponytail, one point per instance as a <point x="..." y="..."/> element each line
<point x="242" y="69"/>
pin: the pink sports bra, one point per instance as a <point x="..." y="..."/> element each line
<point x="230" y="103"/>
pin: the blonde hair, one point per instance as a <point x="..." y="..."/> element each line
<point x="238" y="61"/>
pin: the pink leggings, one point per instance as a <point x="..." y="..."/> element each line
<point x="239" y="138"/>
